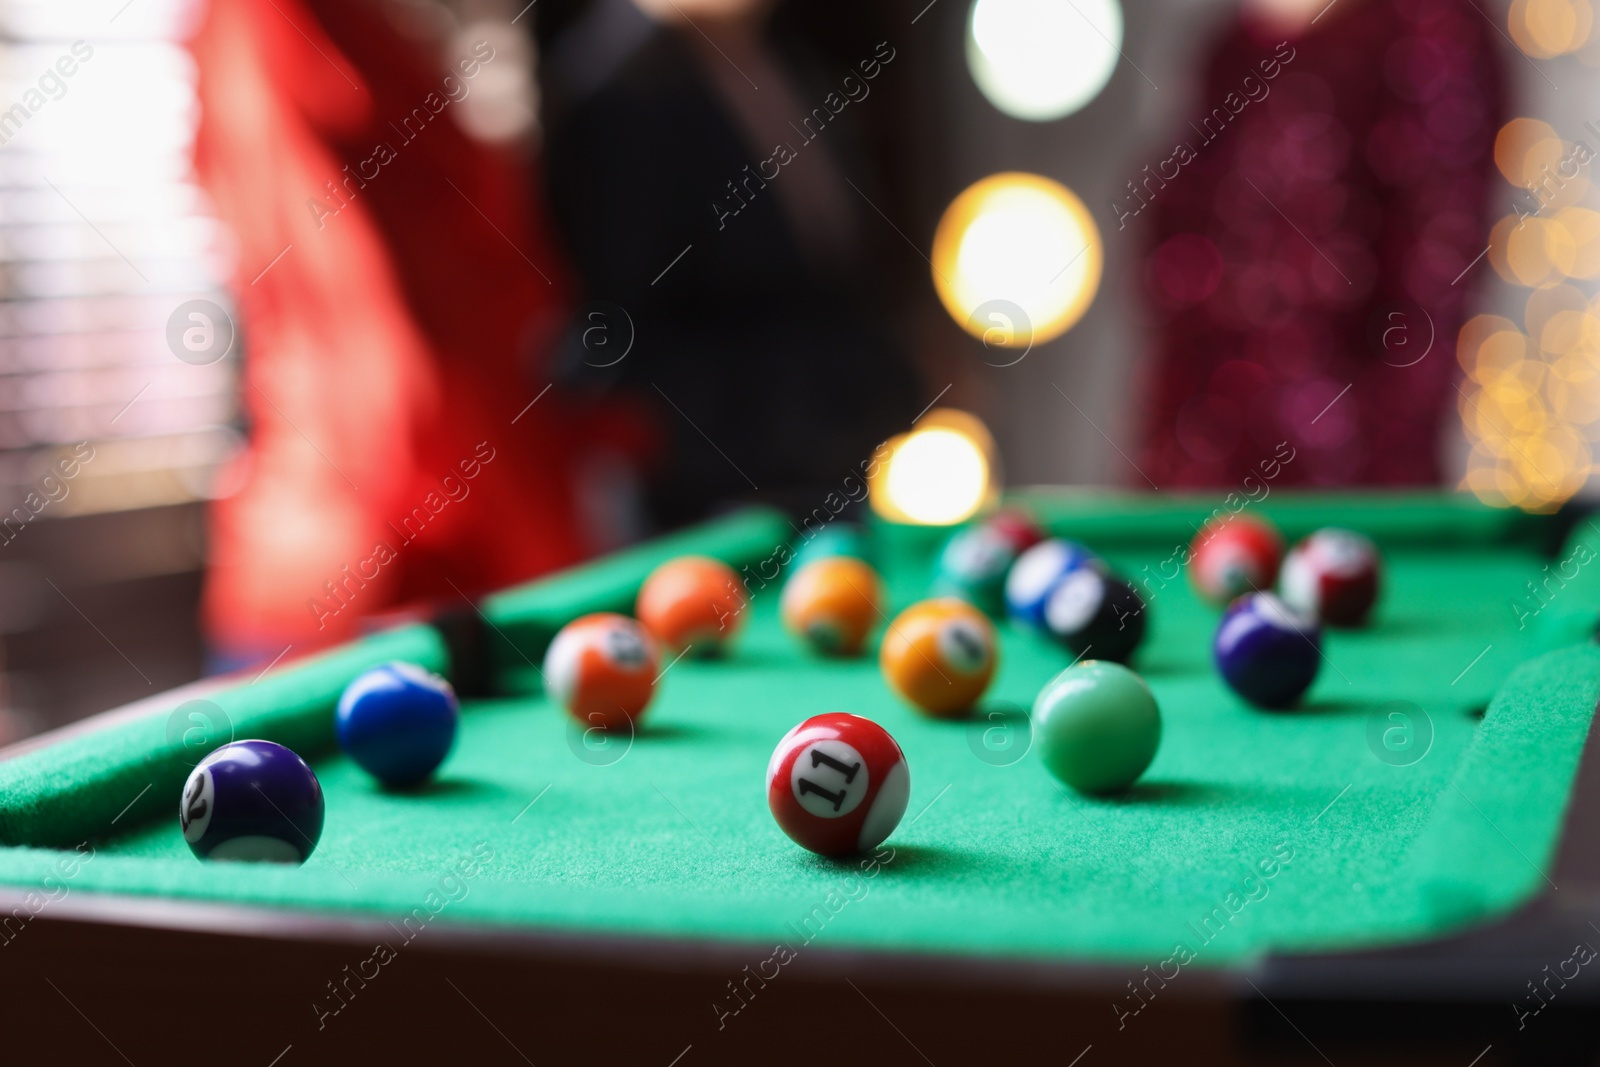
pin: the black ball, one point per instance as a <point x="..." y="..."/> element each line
<point x="1096" y="615"/>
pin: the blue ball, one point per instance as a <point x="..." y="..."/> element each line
<point x="252" y="800"/>
<point x="398" y="722"/>
<point x="1037" y="572"/>
<point x="1266" y="651"/>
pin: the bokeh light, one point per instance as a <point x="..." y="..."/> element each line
<point x="1547" y="28"/>
<point x="1530" y="405"/>
<point x="1580" y="228"/>
<point x="941" y="473"/>
<point x="1022" y="241"/>
<point x="1524" y="414"/>
<point x="1532" y="251"/>
<point x="1043" y="59"/>
<point x="1549" y="173"/>
<point x="1544" y="304"/>
<point x="1524" y="148"/>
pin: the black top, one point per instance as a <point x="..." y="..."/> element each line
<point x="762" y="346"/>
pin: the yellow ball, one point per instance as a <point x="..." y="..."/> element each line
<point x="940" y="656"/>
<point x="832" y="604"/>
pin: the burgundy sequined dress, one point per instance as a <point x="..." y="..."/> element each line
<point x="1310" y="230"/>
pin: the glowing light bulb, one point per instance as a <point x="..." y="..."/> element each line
<point x="941" y="473"/>
<point x="1016" y="250"/>
<point x="1039" y="60"/>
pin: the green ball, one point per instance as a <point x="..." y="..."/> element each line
<point x="1097" y="726"/>
<point x="973" y="566"/>
<point x="838" y="538"/>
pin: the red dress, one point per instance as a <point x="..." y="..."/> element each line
<point x="1311" y="234"/>
<point x="389" y="283"/>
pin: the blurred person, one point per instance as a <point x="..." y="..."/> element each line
<point x="701" y="165"/>
<point x="388" y="274"/>
<point x="1315" y="225"/>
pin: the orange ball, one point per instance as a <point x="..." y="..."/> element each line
<point x="602" y="668"/>
<point x="692" y="602"/>
<point x="832" y="604"/>
<point x="940" y="655"/>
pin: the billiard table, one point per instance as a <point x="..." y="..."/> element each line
<point x="1405" y="864"/>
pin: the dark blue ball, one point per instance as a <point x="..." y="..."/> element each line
<point x="252" y="800"/>
<point x="397" y="722"/>
<point x="1267" y="652"/>
<point x="1037" y="572"/>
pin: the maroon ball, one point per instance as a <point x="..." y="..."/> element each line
<point x="1334" y="576"/>
<point x="1017" y="528"/>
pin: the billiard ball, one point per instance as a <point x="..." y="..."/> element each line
<point x="1035" y="575"/>
<point x="1266" y="651"/>
<point x="973" y="566"/>
<point x="252" y="800"/>
<point x="602" y="668"/>
<point x="1333" y="575"/>
<point x="940" y="655"/>
<point x="832" y="604"/>
<point x="692" y="602"/>
<point x="1016" y="527"/>
<point x="397" y="722"/>
<point x="838" y="784"/>
<point x="1093" y="612"/>
<point x="1234" y="555"/>
<point x="837" y="538"/>
<point x="1097" y="726"/>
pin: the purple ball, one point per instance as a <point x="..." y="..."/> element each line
<point x="252" y="800"/>
<point x="1266" y="651"/>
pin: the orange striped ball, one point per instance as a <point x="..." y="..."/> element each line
<point x="602" y="668"/>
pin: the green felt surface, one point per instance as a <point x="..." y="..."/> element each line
<point x="124" y="774"/>
<point x="524" y="619"/>
<point x="994" y="858"/>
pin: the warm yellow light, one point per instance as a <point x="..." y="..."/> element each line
<point x="1581" y="226"/>
<point x="1474" y="332"/>
<point x="1572" y="333"/>
<point x="1544" y="304"/>
<point x="1043" y="59"/>
<point x="1515" y="404"/>
<point x="1525" y="149"/>
<point x="1573" y="393"/>
<point x="1482" y="483"/>
<point x="1512" y="488"/>
<point x="1499" y="238"/>
<point x="1020" y="252"/>
<point x="939" y="474"/>
<point x="1546" y="28"/>
<point x="1532" y="251"/>
<point x="1554" y="461"/>
<point x="1577" y="370"/>
<point x="1498" y="354"/>
<point x="1572" y="384"/>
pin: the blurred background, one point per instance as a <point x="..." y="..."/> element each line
<point x="315" y="310"/>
